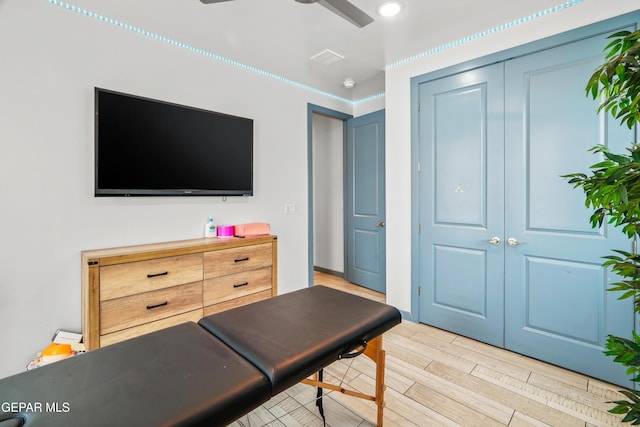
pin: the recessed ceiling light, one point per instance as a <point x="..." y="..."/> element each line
<point x="389" y="8"/>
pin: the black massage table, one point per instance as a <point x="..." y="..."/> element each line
<point x="205" y="374"/>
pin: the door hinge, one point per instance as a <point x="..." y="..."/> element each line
<point x="418" y="290"/>
<point x="419" y="228"/>
<point x="419" y="167"/>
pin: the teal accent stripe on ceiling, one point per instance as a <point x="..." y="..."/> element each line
<point x="285" y="80"/>
<point x="483" y="33"/>
<point x="197" y="50"/>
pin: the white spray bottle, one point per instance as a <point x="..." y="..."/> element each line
<point x="210" y="228"/>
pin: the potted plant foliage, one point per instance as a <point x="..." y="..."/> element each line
<point x="612" y="190"/>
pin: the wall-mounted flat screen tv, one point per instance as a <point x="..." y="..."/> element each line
<point x="147" y="147"/>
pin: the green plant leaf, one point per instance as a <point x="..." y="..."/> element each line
<point x="612" y="193"/>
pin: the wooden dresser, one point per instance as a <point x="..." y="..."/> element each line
<point x="132" y="290"/>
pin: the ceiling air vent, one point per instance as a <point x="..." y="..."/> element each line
<point x="327" y="57"/>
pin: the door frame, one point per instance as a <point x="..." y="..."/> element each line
<point x="311" y="110"/>
<point x="604" y="27"/>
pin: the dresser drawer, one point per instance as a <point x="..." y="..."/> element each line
<point x="237" y="302"/>
<point x="134" y="310"/>
<point x="132" y="278"/>
<point x="237" y="285"/>
<point x="234" y="260"/>
<point x="125" y="334"/>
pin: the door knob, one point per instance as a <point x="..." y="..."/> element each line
<point x="381" y="224"/>
<point x="512" y="241"/>
<point x="494" y="241"/>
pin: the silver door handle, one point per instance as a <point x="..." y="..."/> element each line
<point x="494" y="241"/>
<point x="512" y="241"/>
<point x="381" y="224"/>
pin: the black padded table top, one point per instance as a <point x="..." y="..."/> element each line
<point x="182" y="375"/>
<point x="296" y="334"/>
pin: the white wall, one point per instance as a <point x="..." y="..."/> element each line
<point x="360" y="108"/>
<point x="50" y="61"/>
<point x="328" y="193"/>
<point x="398" y="121"/>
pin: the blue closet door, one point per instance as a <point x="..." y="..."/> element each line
<point x="507" y="255"/>
<point x="461" y="189"/>
<point x="557" y="307"/>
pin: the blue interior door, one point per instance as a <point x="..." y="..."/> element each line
<point x="556" y="304"/>
<point x="462" y="204"/>
<point x="365" y="209"/>
<point x="493" y="144"/>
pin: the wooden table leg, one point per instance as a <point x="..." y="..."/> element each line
<point x="375" y="352"/>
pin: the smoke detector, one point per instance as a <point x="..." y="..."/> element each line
<point x="348" y="83"/>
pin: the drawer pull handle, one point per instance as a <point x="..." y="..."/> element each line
<point x="149" y="276"/>
<point x="150" y="307"/>
<point x="241" y="259"/>
<point x="239" y="285"/>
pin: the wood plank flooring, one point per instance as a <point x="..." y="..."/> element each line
<point x="437" y="378"/>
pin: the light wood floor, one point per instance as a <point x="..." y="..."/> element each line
<point x="437" y="378"/>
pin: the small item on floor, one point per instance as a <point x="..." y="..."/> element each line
<point x="66" y="337"/>
<point x="54" y="352"/>
<point x="64" y="344"/>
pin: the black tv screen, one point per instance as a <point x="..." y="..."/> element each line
<point x="146" y="147"/>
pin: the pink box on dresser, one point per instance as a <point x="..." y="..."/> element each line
<point x="253" y="229"/>
<point x="225" y="231"/>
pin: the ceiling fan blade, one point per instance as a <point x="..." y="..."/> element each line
<point x="213" y="1"/>
<point x="348" y="11"/>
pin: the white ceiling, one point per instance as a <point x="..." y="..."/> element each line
<point x="280" y="36"/>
